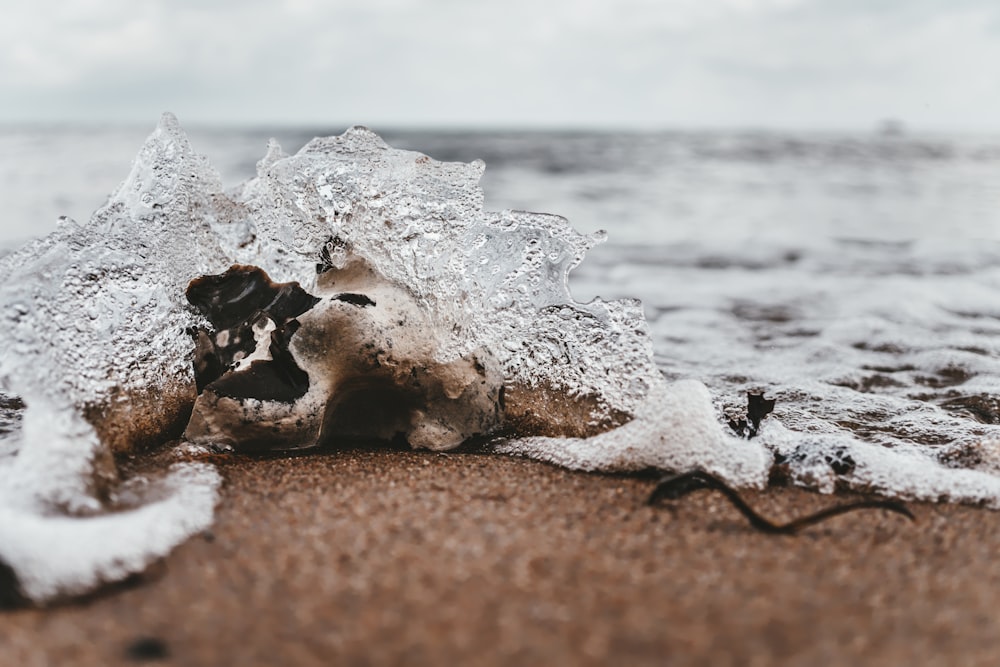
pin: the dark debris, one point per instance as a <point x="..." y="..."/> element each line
<point x="758" y="407"/>
<point x="145" y="649"/>
<point x="676" y="486"/>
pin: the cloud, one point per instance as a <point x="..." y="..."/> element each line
<point x="561" y="62"/>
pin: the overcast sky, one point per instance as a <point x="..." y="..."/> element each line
<point x="635" y="63"/>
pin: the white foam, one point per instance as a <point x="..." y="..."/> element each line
<point x="58" y="556"/>
<point x="676" y="428"/>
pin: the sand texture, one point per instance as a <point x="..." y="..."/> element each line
<point x="394" y="557"/>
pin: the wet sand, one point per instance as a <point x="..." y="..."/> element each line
<point x="389" y="557"/>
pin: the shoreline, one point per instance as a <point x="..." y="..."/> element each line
<point x="386" y="557"/>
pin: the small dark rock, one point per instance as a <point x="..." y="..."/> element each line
<point x="758" y="407"/>
<point x="10" y="590"/>
<point x="841" y="462"/>
<point x="147" y="649"/>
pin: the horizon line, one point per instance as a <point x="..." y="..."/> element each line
<point x="879" y="126"/>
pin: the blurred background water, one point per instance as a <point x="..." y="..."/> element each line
<point x="855" y="277"/>
<point x="644" y="187"/>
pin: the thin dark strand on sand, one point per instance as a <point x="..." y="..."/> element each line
<point x="675" y="487"/>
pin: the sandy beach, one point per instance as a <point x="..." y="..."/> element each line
<point x="394" y="557"/>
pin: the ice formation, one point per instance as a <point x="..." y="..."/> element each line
<point x="278" y="313"/>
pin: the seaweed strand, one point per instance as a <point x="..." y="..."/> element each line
<point x="677" y="486"/>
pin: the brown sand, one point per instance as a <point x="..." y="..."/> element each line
<point x="387" y="557"/>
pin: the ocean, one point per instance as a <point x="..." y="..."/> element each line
<point x="855" y="278"/>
